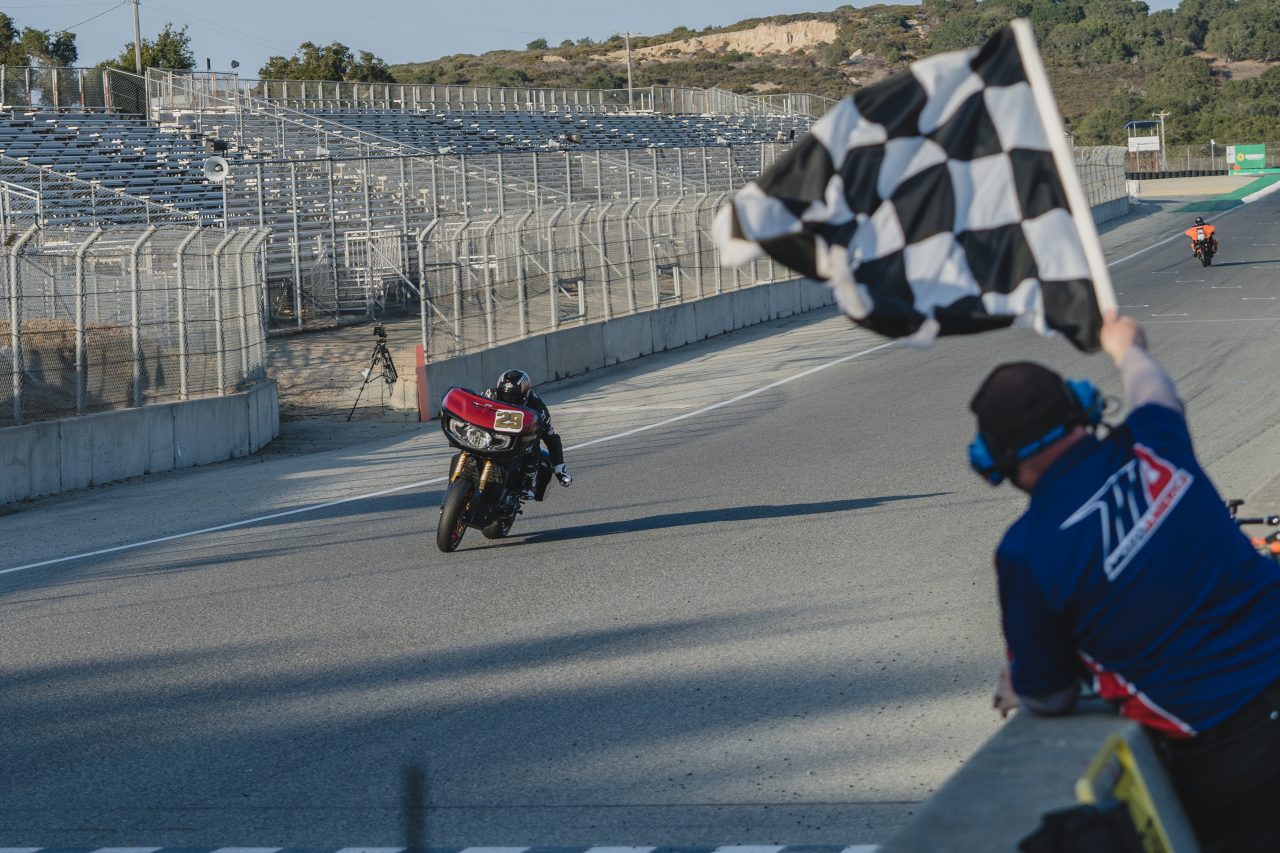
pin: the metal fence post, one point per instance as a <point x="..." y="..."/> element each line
<point x="628" y="268"/>
<point x="15" y="321"/>
<point x="135" y="300"/>
<point x="183" y="390"/>
<point x="568" y="178"/>
<point x="487" y="277"/>
<point x="553" y="296"/>
<point x="522" y="276"/>
<point x="651" y="230"/>
<point x="457" y="277"/>
<point x="243" y="308"/>
<point x="295" y="250"/>
<point x="502" y="196"/>
<point x="81" y="365"/>
<point x="581" y="257"/>
<point x="423" y="236"/>
<point x="606" y="300"/>
<point x="220" y="344"/>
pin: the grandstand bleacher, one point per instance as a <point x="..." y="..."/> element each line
<point x="118" y="152"/>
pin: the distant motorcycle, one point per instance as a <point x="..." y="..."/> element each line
<point x="495" y="442"/>
<point x="1204" y="251"/>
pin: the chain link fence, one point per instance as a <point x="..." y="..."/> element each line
<point x="1101" y="171"/>
<point x="97" y="319"/>
<point x="1194" y="159"/>
<point x="86" y="89"/>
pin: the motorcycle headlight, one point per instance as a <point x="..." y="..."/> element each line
<point x="477" y="438"/>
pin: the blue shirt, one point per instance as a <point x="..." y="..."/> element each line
<point x="1127" y="565"/>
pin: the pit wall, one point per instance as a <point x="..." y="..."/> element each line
<point x="71" y="453"/>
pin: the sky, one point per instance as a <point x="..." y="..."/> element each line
<point x="397" y="30"/>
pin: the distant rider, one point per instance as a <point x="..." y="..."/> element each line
<point x="515" y="388"/>
<point x="1202" y="231"/>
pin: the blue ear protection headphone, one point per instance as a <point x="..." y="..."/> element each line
<point x="993" y="465"/>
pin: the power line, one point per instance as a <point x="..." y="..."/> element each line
<point x="94" y="18"/>
<point x="219" y="28"/>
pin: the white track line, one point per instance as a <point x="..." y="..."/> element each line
<point x="421" y="483"/>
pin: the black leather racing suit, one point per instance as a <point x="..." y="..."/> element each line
<point x="546" y="431"/>
<point x="548" y="435"/>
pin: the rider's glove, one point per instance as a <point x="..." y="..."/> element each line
<point x="563" y="475"/>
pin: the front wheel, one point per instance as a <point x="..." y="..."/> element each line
<point x="453" y="515"/>
<point x="1206" y="258"/>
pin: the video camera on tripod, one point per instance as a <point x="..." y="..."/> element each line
<point x="381" y="358"/>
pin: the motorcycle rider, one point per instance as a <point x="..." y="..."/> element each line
<point x="515" y="388"/>
<point x="1202" y="231"/>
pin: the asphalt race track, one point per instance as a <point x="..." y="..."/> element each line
<point x="770" y="622"/>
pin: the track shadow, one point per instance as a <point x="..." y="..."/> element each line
<point x="667" y="521"/>
<point x="1246" y="263"/>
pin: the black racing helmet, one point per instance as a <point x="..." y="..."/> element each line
<point x="513" y="388"/>
<point x="1199" y="220"/>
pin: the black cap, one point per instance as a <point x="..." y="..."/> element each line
<point x="1019" y="403"/>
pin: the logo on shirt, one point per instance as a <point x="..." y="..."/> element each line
<point x="1131" y="506"/>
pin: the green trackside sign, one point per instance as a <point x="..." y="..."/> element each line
<point x="1247" y="158"/>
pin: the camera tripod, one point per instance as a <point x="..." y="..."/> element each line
<point x="382" y="356"/>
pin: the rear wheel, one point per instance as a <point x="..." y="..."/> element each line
<point x="453" y="514"/>
<point x="497" y="529"/>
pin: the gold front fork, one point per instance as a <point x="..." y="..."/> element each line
<point x="462" y="461"/>
<point x="484" y="474"/>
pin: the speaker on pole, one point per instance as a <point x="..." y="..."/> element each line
<point x="216" y="169"/>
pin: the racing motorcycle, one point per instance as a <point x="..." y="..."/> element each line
<point x="1203" y="248"/>
<point x="495" y="443"/>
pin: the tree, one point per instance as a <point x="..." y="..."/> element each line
<point x="332" y="62"/>
<point x="171" y="49"/>
<point x="35" y="47"/>
<point x="536" y="44"/>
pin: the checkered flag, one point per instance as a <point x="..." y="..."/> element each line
<point x="943" y="200"/>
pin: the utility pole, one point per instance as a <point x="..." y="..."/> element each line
<point x="137" y="40"/>
<point x="1164" y="163"/>
<point x="631" y="102"/>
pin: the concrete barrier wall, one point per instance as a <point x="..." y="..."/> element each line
<point x="1027" y="768"/>
<point x="580" y="349"/>
<point x="57" y="456"/>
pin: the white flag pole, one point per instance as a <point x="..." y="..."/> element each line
<point x="1065" y="160"/>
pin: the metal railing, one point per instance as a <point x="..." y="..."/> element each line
<point x="85" y="89"/>
<point x="96" y="319"/>
<point x="67" y="200"/>
<point x="322" y="212"/>
<point x="673" y="100"/>
<point x="1194" y="158"/>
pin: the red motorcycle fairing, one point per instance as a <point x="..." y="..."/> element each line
<point x="489" y="414"/>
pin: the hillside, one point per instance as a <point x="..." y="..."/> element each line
<point x="1110" y="60"/>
